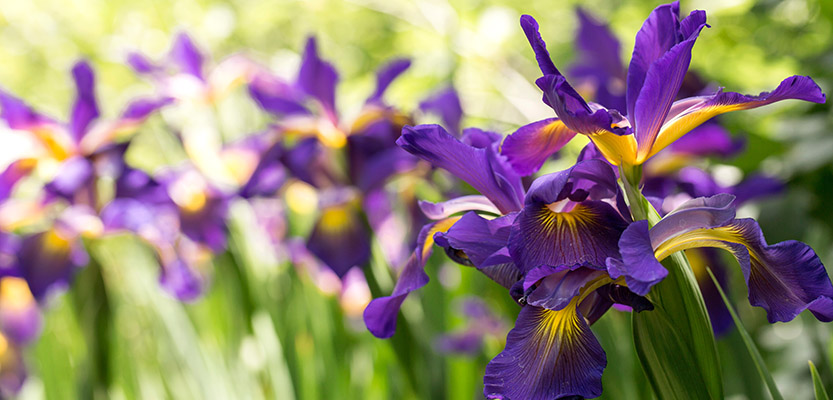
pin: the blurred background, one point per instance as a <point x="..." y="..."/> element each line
<point x="265" y="328"/>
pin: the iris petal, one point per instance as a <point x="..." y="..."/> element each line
<point x="483" y="168"/>
<point x="318" y="78"/>
<point x="340" y="239"/>
<point x="531" y="145"/>
<point x="380" y="314"/>
<point x="784" y="279"/>
<point x="689" y="113"/>
<point x="548" y="355"/>
<point x="484" y="243"/>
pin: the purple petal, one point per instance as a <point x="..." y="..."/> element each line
<point x="185" y="54"/>
<point x="755" y="187"/>
<point x="207" y="225"/>
<point x="436" y="211"/>
<point x="85" y="109"/>
<point x="709" y="139"/>
<point x="340" y="239"/>
<point x="529" y="147"/>
<point x="484" y="169"/>
<point x="575" y="112"/>
<point x="784" y="279"/>
<point x="659" y="33"/>
<point x="479" y="138"/>
<point x="446" y="104"/>
<point x="599" y="61"/>
<point x="18" y="115"/>
<point x="48" y="260"/>
<point x="305" y="162"/>
<point x="380" y="314"/>
<point x="530" y="28"/>
<point x="180" y="280"/>
<point x="12" y="174"/>
<point x="699" y="213"/>
<point x="548" y="355"/>
<point x="276" y="96"/>
<point x="138" y="110"/>
<point x="318" y="78"/>
<point x="269" y="174"/>
<point x="386" y="75"/>
<point x="141" y="64"/>
<point x="689" y="113"/>
<point x="75" y="174"/>
<point x="589" y="233"/>
<point x="662" y="82"/>
<point x="638" y="264"/>
<point x="556" y="287"/>
<point x="373" y="161"/>
<point x="483" y="244"/>
<point x="13" y="373"/>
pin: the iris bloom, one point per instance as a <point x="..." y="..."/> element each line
<point x="344" y="163"/>
<point x="569" y="251"/>
<point x="653" y="120"/>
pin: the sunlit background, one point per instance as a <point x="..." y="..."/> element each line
<point x="265" y="328"/>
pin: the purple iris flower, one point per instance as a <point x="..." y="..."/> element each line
<point x="316" y="137"/>
<point x="654" y="120"/>
<point x="569" y="251"/>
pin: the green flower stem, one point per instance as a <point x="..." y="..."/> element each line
<point x="674" y="342"/>
<point x="92" y="309"/>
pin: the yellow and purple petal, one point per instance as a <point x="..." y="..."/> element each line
<point x="340" y="238"/>
<point x="548" y="355"/>
<point x="380" y="315"/>
<point x="689" y="113"/>
<point x="531" y="145"/>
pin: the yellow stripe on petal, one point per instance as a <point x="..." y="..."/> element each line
<point x="715" y="237"/>
<point x="441" y="226"/>
<point x="677" y="127"/>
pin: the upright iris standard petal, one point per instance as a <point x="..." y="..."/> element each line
<point x="386" y="75"/>
<point x="659" y="33"/>
<point x="662" y="82"/>
<point x="380" y="314"/>
<point x="318" y="78"/>
<point x="483" y="168"/>
<point x="185" y="54"/>
<point x="340" y="238"/>
<point x="447" y="105"/>
<point x="529" y="147"/>
<point x="549" y="355"/>
<point x="85" y="109"/>
<point x="689" y="113"/>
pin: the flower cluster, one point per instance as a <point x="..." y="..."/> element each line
<point x="576" y="242"/>
<point x="77" y="183"/>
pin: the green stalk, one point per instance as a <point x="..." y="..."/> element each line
<point x="92" y="309"/>
<point x="674" y="342"/>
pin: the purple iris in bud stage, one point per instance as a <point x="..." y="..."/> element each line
<point x="347" y="164"/>
<point x="653" y="120"/>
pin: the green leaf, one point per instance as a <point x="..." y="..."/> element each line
<point x="675" y="342"/>
<point x="750" y="345"/>
<point x="821" y="393"/>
